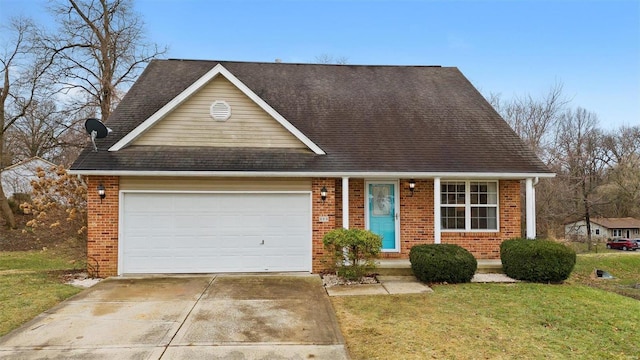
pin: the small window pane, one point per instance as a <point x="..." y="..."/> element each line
<point x="452" y="217"/>
<point x="484" y="218"/>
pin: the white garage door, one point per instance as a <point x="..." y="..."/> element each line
<point x="215" y="232"/>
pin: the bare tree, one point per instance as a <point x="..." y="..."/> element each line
<point x="534" y="120"/>
<point x="35" y="133"/>
<point x="102" y="50"/>
<point x="23" y="68"/>
<point x="582" y="161"/>
<point x="330" y="59"/>
<point x="622" y="188"/>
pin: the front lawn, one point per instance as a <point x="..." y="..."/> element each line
<point x="624" y="266"/>
<point x="499" y="321"/>
<point x="30" y="284"/>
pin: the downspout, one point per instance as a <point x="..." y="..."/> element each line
<point x="535" y="211"/>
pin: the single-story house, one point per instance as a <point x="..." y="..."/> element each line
<point x="604" y="228"/>
<point x="221" y="166"/>
<point x="16" y="179"/>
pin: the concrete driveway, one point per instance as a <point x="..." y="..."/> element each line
<point x="196" y="317"/>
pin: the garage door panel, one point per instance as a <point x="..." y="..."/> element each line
<point x="209" y="232"/>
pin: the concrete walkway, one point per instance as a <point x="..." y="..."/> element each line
<point x="405" y="285"/>
<point x="387" y="285"/>
<point x="178" y="317"/>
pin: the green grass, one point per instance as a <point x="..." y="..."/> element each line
<point x="29" y="285"/>
<point x="624" y="266"/>
<point x="599" y="247"/>
<point x="500" y="321"/>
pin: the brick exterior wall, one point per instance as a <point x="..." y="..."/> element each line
<point x="416" y="218"/>
<point x="320" y="208"/>
<point x="102" y="221"/>
<point x="356" y="203"/>
<point x="416" y="214"/>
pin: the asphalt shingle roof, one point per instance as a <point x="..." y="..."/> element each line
<point x="366" y="119"/>
<point x="618" y="223"/>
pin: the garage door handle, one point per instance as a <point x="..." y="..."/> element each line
<point x="262" y="243"/>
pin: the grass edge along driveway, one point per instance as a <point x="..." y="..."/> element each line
<point x="30" y="284"/>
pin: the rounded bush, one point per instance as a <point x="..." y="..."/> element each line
<point x="434" y="263"/>
<point x="537" y="260"/>
<point x="359" y="247"/>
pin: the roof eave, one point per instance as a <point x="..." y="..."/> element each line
<point x="298" y="174"/>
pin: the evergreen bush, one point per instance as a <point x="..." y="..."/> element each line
<point x="537" y="260"/>
<point x="434" y="263"/>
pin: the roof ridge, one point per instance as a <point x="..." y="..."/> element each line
<point x="301" y="63"/>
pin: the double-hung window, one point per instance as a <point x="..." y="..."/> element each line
<point x="469" y="205"/>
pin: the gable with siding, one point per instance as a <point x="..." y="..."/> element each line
<point x="190" y="124"/>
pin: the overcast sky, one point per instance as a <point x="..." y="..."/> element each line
<point x="509" y="47"/>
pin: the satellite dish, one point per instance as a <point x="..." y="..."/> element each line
<point x="97" y="130"/>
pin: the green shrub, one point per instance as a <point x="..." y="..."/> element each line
<point x="433" y="263"/>
<point x="353" y="251"/>
<point x="537" y="260"/>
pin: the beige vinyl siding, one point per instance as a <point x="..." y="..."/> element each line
<point x="214" y="184"/>
<point x="190" y="124"/>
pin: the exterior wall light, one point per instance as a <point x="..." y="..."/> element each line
<point x="412" y="186"/>
<point x="323" y="193"/>
<point x="101" y="192"/>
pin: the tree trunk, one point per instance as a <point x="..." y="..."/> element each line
<point x="7" y="214"/>
<point x="587" y="213"/>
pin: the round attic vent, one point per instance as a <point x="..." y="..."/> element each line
<point x="220" y="110"/>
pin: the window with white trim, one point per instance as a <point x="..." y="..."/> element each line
<point x="617" y="232"/>
<point x="469" y="205"/>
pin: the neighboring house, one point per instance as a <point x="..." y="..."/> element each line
<point x="604" y="228"/>
<point x="16" y="179"/>
<point x="222" y="166"/>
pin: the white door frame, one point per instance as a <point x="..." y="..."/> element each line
<point x="396" y="195"/>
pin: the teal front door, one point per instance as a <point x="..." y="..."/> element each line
<point x="382" y="213"/>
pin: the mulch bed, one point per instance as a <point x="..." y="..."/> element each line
<point x="26" y="239"/>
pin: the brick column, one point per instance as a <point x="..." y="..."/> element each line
<point x="102" y="221"/>
<point x="320" y="208"/>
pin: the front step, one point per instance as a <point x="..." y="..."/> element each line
<point x="394" y="267"/>
<point x="486" y="266"/>
<point x="402" y="267"/>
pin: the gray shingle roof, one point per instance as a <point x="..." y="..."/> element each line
<point x="366" y="119"/>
